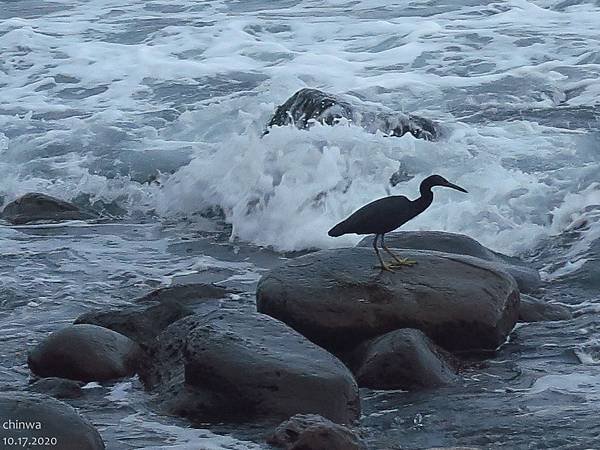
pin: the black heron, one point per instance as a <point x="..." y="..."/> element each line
<point x="388" y="213"/>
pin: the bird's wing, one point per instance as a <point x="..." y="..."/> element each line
<point x="379" y="216"/>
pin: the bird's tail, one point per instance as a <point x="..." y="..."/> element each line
<point x="336" y="231"/>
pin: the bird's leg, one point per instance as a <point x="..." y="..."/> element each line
<point x="383" y="265"/>
<point x="398" y="261"/>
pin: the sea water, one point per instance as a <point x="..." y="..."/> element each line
<point x="153" y="113"/>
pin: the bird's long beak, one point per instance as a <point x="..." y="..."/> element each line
<point x="454" y="186"/>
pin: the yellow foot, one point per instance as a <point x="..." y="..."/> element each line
<point x="403" y="262"/>
<point x="385" y="267"/>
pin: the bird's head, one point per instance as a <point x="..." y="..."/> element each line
<point x="438" y="180"/>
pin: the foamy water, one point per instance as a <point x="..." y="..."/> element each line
<point x="153" y="112"/>
<point x="99" y="98"/>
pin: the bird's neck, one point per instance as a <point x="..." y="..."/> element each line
<point x="423" y="202"/>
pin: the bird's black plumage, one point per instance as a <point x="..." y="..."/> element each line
<point x="380" y="216"/>
<point x="386" y="214"/>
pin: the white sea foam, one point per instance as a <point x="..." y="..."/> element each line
<point x="119" y="393"/>
<point x="184" y="438"/>
<point x="98" y="98"/>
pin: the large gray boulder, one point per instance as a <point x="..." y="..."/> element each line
<point x="51" y="423"/>
<point x="245" y="366"/>
<point x="313" y="432"/>
<point x="338" y="299"/>
<point x="312" y="105"/>
<point x="34" y="206"/>
<point x="527" y="277"/>
<point x="402" y="359"/>
<point x="86" y="353"/>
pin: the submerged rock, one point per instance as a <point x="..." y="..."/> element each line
<point x="139" y="323"/>
<point x="313" y="432"/>
<point x="46" y="419"/>
<point x="85" y="352"/>
<point x="57" y="387"/>
<point x="535" y="310"/>
<point x="338" y="299"/>
<point x="229" y="365"/>
<point x="454" y="448"/>
<point x="35" y="207"/>
<point x="155" y="311"/>
<point x="402" y="359"/>
<point x="185" y="294"/>
<point x="312" y="105"/>
<point x="527" y="277"/>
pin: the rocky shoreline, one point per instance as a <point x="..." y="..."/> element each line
<point x="326" y="323"/>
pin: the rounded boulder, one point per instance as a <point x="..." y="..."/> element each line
<point x="402" y="359"/>
<point x="338" y="299"/>
<point x="313" y="432"/>
<point x="38" y="421"/>
<point x="85" y="352"/>
<point x="528" y="278"/>
<point x="244" y="366"/>
<point x="35" y="206"/>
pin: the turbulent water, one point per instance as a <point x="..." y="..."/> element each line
<point x="152" y="112"/>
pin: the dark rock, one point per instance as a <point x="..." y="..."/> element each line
<point x="308" y="105"/>
<point x="535" y="310"/>
<point x="229" y="365"/>
<point x="163" y="370"/>
<point x="57" y="387"/>
<point x="156" y="310"/>
<point x="402" y="359"/>
<point x="311" y="105"/>
<point x="400" y="175"/>
<point x="85" y="352"/>
<point x="185" y="294"/>
<point x="338" y="299"/>
<point x="50" y="419"/>
<point x="139" y="323"/>
<point x="313" y="432"/>
<point x="35" y="206"/>
<point x="527" y="277"/>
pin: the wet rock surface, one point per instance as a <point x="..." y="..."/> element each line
<point x="536" y="310"/>
<point x="313" y="432"/>
<point x="34" y="207"/>
<point x="402" y="359"/>
<point x="85" y="352"/>
<point x="57" y="387"/>
<point x="155" y="311"/>
<point x="185" y="294"/>
<point x="140" y="323"/>
<point x="312" y="105"/>
<point x="338" y="299"/>
<point x="229" y="365"/>
<point x="527" y="277"/>
<point x="48" y="418"/>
